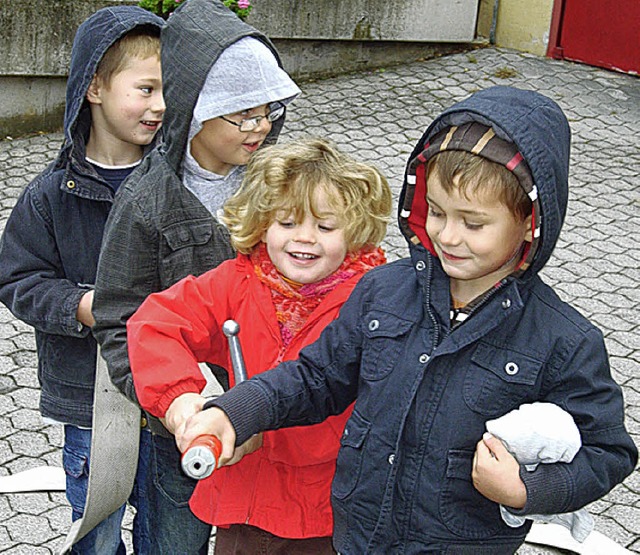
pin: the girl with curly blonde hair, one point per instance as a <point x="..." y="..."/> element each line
<point x="307" y="223"/>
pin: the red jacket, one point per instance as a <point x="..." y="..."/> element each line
<point x="284" y="487"/>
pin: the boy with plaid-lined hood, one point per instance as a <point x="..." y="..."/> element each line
<point x="433" y="346"/>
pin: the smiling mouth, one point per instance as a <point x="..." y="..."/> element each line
<point x="303" y="256"/>
<point x="252" y="146"/>
<point x="150" y="123"/>
<point x="451" y="257"/>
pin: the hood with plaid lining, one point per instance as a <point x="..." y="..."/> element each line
<point x="523" y="130"/>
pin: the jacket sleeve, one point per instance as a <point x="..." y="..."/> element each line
<point x="33" y="285"/>
<point x="584" y="388"/>
<point x="127" y="274"/>
<point x="322" y="382"/>
<point x="169" y="334"/>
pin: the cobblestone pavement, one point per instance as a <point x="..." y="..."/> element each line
<point x="378" y="116"/>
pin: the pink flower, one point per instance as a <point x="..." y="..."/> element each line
<point x="244" y="4"/>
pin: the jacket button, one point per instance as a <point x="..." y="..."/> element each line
<point x="424" y="357"/>
<point x="511" y="368"/>
<point x="506" y="304"/>
<point x="420" y="265"/>
<point x="392" y="458"/>
<point x="71" y="184"/>
<point x="374" y="325"/>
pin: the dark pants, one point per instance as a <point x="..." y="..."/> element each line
<point x="242" y="539"/>
<point x="105" y="538"/>
<point x="173" y="528"/>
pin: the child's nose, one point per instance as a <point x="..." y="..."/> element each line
<point x="305" y="233"/>
<point x="449" y="234"/>
<point x="158" y="103"/>
<point x="264" y="125"/>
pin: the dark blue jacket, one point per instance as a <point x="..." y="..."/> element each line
<point x="50" y="245"/>
<point x="423" y="391"/>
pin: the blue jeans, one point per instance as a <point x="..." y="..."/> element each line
<point x="174" y="529"/>
<point x="104" y="539"/>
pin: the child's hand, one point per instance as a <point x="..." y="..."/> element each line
<point x="83" y="312"/>
<point x="496" y="473"/>
<point x="252" y="444"/>
<point x="181" y="408"/>
<point x="212" y="421"/>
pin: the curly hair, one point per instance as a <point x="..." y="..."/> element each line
<point x="287" y="178"/>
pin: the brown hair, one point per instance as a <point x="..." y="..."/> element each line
<point x="141" y="42"/>
<point x="286" y="177"/>
<point x="480" y="176"/>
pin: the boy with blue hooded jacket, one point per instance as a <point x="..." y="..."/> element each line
<point x="50" y="246"/>
<point x="433" y="346"/>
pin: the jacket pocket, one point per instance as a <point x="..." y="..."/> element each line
<point x="187" y="234"/>
<point x="181" y="244"/>
<point x="499" y="380"/>
<point x="465" y="511"/>
<point x="349" y="462"/>
<point x="384" y="337"/>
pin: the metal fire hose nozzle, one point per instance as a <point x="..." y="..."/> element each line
<point x="201" y="458"/>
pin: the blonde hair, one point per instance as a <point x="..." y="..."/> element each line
<point x="287" y="177"/>
<point x="141" y="43"/>
<point x="480" y="176"/>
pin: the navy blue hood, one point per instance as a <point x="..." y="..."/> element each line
<point x="540" y="131"/>
<point x="93" y="38"/>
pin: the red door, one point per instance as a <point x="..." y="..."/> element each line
<point x="603" y="33"/>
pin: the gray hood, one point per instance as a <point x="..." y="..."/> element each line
<point x="196" y="34"/>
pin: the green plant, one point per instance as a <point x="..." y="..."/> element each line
<point x="164" y="8"/>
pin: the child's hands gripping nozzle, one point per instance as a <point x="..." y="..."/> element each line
<point x="201" y="458"/>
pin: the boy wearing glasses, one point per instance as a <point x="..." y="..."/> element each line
<point x="163" y="225"/>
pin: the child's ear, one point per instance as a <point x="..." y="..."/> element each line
<point x="528" y="231"/>
<point x="93" y="93"/>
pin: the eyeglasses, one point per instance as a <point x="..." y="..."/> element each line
<point x="276" y="111"/>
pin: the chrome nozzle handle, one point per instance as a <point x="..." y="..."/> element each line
<point x="231" y="329"/>
<point x="200" y="460"/>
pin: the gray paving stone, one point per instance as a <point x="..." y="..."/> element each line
<point x="26" y="398"/>
<point x="29" y="529"/>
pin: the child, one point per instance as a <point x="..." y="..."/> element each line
<point x="225" y="93"/>
<point x="306" y="222"/>
<point x="433" y="346"/>
<point x="50" y="247"/>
